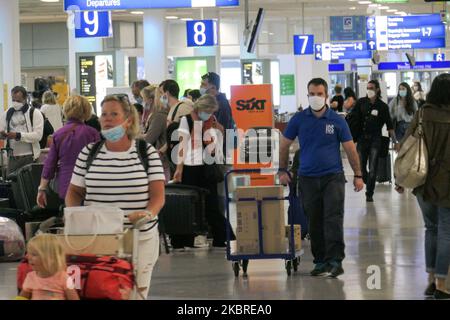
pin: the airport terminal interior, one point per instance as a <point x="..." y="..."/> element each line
<point x="258" y="58"/>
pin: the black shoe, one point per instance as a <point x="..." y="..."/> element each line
<point x="336" y="271"/>
<point x="441" y="295"/>
<point x="369" y="198"/>
<point x="320" y="269"/>
<point x="431" y="289"/>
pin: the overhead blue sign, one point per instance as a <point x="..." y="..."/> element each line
<point x="439" y="57"/>
<point x="93" y="24"/>
<point x="304" y="44"/>
<point x="419" y="65"/>
<point x="351" y="28"/>
<point x="405" y="32"/>
<point x="336" y="67"/>
<point x="201" y="33"/>
<point x="342" y="51"/>
<point x="91" y="5"/>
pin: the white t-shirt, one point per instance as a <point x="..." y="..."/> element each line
<point x="18" y="124"/>
<point x="118" y="179"/>
<point x="183" y="110"/>
<point x="54" y="114"/>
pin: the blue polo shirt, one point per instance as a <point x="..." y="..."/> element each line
<point x="320" y="140"/>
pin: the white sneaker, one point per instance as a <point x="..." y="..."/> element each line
<point x="201" y="242"/>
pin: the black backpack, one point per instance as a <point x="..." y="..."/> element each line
<point x="48" y="128"/>
<point x="141" y="147"/>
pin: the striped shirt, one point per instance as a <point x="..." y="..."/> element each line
<point x="118" y="179"/>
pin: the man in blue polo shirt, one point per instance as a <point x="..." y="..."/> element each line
<point x="321" y="175"/>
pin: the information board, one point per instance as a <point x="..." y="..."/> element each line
<point x="96" y="5"/>
<point x="421" y="65"/>
<point x="351" y="28"/>
<point x="405" y="32"/>
<point x="287" y="84"/>
<point x="342" y="51"/>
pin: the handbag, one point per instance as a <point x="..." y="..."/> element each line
<point x="411" y="165"/>
<point x="214" y="173"/>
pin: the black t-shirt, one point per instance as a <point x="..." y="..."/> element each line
<point x="372" y="117"/>
<point x="340" y="101"/>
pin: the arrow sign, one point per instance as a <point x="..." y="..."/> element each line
<point x="371" y="33"/>
<point x="372" y="45"/>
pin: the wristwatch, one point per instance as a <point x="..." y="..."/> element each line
<point x="358" y="177"/>
<point x="41" y="189"/>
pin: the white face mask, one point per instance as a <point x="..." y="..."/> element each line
<point x="17" y="105"/>
<point x="371" y="94"/>
<point x="316" y="103"/>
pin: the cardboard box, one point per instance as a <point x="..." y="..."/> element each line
<point x="107" y="245"/>
<point x="272" y="219"/>
<point x="297" y="236"/>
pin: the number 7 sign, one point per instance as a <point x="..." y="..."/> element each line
<point x="304" y="44"/>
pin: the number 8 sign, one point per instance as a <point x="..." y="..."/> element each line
<point x="201" y="33"/>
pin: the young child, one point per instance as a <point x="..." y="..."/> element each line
<point x="48" y="280"/>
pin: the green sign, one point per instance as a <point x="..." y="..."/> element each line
<point x="390" y="1"/>
<point x="190" y="72"/>
<point x="287" y="83"/>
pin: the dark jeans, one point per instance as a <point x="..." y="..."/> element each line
<point x="437" y="237"/>
<point x="400" y="129"/>
<point x="194" y="176"/>
<point x="369" y="150"/>
<point x="323" y="200"/>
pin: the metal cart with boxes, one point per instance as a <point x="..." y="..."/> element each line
<point x="292" y="256"/>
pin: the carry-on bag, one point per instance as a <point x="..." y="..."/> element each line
<point x="184" y="210"/>
<point x="384" y="169"/>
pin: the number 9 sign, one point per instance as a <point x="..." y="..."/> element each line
<point x="93" y="24"/>
<point x="201" y="33"/>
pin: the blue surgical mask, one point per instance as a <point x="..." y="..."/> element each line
<point x="204" y="116"/>
<point x="402" y="93"/>
<point x="114" y="134"/>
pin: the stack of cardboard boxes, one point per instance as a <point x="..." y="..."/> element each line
<point x="273" y="220"/>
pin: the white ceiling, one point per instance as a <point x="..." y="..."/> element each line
<point x="37" y="11"/>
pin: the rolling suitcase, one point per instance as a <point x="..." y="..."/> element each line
<point x="184" y="211"/>
<point x="384" y="169"/>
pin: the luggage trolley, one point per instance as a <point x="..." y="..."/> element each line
<point x="292" y="257"/>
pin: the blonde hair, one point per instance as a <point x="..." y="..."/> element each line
<point x="206" y="103"/>
<point x="48" y="98"/>
<point x="50" y="251"/>
<point x="152" y="92"/>
<point x="78" y="108"/>
<point x="130" y="113"/>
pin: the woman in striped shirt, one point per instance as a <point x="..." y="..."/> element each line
<point x="116" y="177"/>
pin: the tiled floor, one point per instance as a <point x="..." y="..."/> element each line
<point x="388" y="234"/>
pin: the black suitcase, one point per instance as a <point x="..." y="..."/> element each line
<point x="29" y="178"/>
<point x="184" y="210"/>
<point x="384" y="169"/>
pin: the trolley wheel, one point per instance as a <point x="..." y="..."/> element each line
<point x="245" y="266"/>
<point x="236" y="268"/>
<point x="288" y="267"/>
